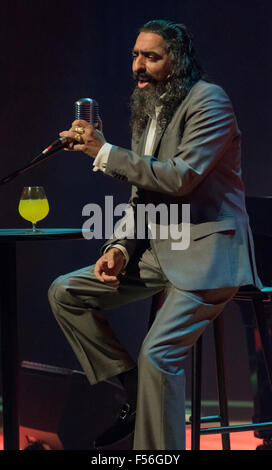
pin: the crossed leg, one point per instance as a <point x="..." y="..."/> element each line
<point x="78" y="301"/>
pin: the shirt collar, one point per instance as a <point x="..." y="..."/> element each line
<point x="157" y="109"/>
<point x="157" y="112"/>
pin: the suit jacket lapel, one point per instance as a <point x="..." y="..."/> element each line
<point x="158" y="136"/>
<point x="140" y="146"/>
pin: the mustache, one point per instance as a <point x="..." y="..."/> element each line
<point x="144" y="76"/>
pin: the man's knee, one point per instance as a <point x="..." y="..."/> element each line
<point x="166" y="358"/>
<point x="150" y="356"/>
<point x="57" y="291"/>
<point x="74" y="291"/>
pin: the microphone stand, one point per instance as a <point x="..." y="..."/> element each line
<point x="36" y="161"/>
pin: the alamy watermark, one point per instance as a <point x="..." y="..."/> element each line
<point x="139" y="222"/>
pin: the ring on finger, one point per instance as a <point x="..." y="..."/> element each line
<point x="78" y="138"/>
<point x="79" y="130"/>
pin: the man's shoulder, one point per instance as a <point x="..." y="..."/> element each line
<point x="205" y="90"/>
<point x="204" y="95"/>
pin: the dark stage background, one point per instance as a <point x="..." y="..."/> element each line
<point x="54" y="52"/>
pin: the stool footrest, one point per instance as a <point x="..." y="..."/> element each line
<point x="207" y="419"/>
<point x="236" y="428"/>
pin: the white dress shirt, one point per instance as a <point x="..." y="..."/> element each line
<point x="100" y="163"/>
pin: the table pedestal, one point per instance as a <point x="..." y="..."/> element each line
<point x="9" y="321"/>
<point x="9" y="345"/>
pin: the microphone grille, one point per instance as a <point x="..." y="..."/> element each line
<point x="87" y="109"/>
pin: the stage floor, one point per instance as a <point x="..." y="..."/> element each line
<point x="240" y="412"/>
<point x="239" y="441"/>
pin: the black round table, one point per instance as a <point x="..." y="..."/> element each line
<point x="9" y="325"/>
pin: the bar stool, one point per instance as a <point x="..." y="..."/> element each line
<point x="258" y="298"/>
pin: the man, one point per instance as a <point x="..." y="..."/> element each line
<point x="185" y="150"/>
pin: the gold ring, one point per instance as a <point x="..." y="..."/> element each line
<point x="78" y="137"/>
<point x="79" y="130"/>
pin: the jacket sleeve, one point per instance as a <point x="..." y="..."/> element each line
<point x="210" y="127"/>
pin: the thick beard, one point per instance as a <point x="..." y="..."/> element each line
<point x="144" y="101"/>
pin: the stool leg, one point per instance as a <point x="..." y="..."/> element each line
<point x="196" y="394"/>
<point x="259" y="310"/>
<point x="218" y="328"/>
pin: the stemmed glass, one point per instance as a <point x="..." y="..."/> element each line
<point x="33" y="205"/>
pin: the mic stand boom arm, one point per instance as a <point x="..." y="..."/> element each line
<point x="35" y="162"/>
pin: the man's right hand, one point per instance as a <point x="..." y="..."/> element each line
<point x="109" y="266"/>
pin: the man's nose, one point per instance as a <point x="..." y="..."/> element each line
<point x="139" y="64"/>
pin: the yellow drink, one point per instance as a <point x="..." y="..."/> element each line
<point x="33" y="209"/>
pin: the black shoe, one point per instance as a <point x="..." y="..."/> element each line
<point x="267" y="445"/>
<point x="120" y="434"/>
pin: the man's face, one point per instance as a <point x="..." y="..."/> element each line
<point x="151" y="61"/>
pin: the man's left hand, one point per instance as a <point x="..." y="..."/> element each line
<point x="90" y="139"/>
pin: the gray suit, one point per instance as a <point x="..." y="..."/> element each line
<point x="197" y="161"/>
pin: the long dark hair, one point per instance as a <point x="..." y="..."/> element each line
<point x="186" y="70"/>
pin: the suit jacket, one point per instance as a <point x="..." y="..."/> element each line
<point x="196" y="161"/>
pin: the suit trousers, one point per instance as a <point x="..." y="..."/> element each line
<point x="78" y="301"/>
